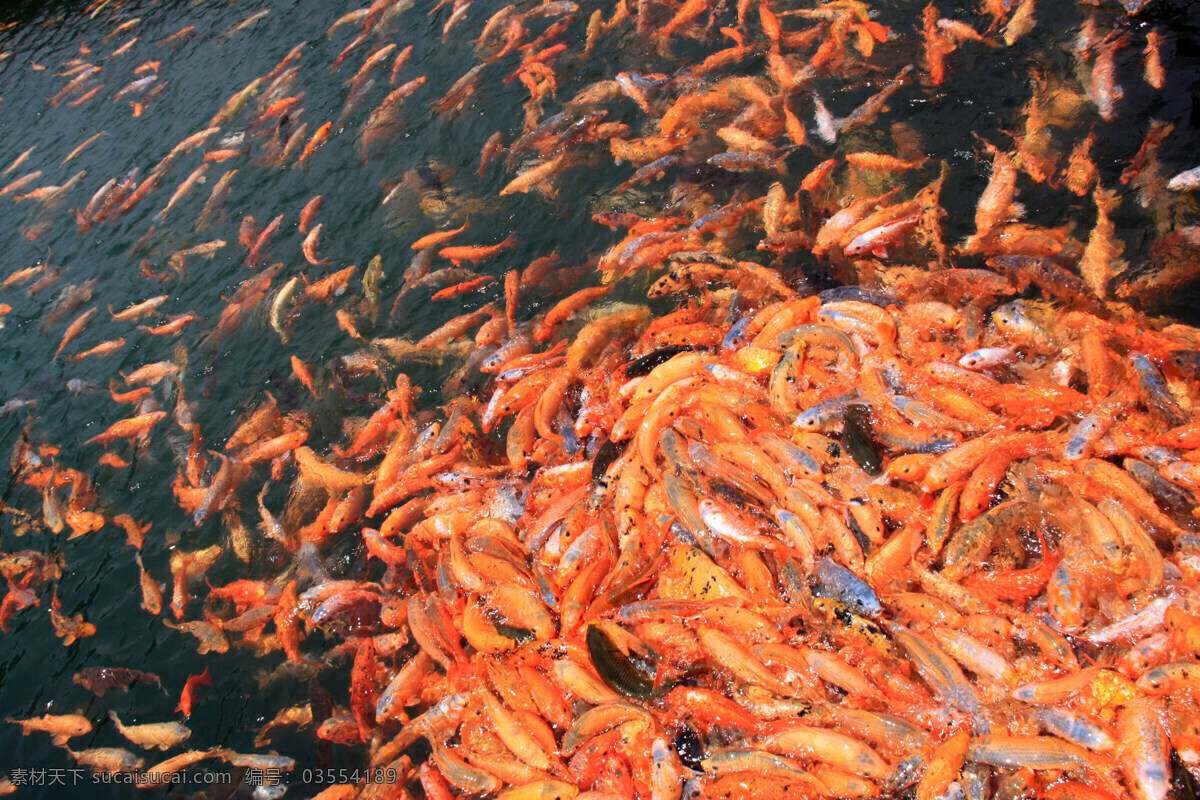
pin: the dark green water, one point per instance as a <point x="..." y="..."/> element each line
<point x="984" y="95"/>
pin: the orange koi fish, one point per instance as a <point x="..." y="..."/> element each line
<point x="475" y="253"/>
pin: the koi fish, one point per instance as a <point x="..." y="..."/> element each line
<point x="476" y="253"/>
<point x="61" y="727"/>
<point x="131" y="428"/>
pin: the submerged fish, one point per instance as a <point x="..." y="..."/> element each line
<point x="163" y="735"/>
<point x="764" y="488"/>
<point x="101" y="679"/>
